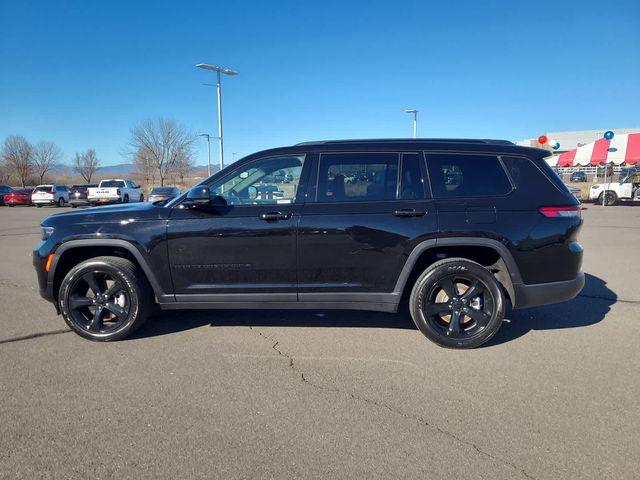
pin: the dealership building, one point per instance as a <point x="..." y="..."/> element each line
<point x="570" y="140"/>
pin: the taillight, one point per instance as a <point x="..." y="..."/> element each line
<point x="560" y="212"/>
<point x="118" y="191"/>
<point x="86" y="192"/>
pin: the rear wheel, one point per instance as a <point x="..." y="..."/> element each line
<point x="105" y="298"/>
<point x="126" y="199"/>
<point x="38" y="205"/>
<point x="457" y="303"/>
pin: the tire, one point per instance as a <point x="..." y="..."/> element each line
<point x="100" y="310"/>
<point x="126" y="199"/>
<point x="73" y="205"/>
<point x="11" y="205"/>
<point x="38" y="205"/>
<point x="479" y="317"/>
<point x="142" y="197"/>
<point x="60" y="202"/>
<point x="610" y="198"/>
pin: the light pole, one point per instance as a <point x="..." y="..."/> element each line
<point x="415" y="120"/>
<point x="226" y="71"/>
<point x="208" y="152"/>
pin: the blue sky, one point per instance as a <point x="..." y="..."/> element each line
<point x="82" y="73"/>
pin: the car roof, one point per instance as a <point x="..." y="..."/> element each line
<point x="408" y="144"/>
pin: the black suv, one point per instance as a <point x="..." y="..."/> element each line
<point x="453" y="228"/>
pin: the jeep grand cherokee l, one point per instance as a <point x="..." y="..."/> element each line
<point x="454" y="229"/>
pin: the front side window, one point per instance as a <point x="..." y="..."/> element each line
<point x="357" y="177"/>
<point x="460" y="175"/>
<point x="267" y="181"/>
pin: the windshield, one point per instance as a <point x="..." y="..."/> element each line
<point x="111" y="184"/>
<point x="44" y="189"/>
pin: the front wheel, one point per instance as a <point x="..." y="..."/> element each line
<point x="610" y="198"/>
<point x="61" y="202"/>
<point x="457" y="303"/>
<point x="126" y="199"/>
<point x="104" y="298"/>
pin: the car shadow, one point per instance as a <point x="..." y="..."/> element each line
<point x="588" y="308"/>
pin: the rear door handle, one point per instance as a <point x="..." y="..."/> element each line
<point x="409" y="212"/>
<point x="272" y="216"/>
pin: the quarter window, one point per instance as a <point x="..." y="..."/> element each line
<point x="456" y="175"/>
<point x="357" y="177"/>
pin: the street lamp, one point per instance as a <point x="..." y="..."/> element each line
<point x="415" y="120"/>
<point x="226" y="71"/>
<point x="208" y="152"/>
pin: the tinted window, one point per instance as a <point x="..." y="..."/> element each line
<point x="265" y="181"/>
<point x="344" y="177"/>
<point x="528" y="178"/>
<point x="459" y="175"/>
<point x="411" y="181"/>
<point x="44" y="189"/>
<point x="162" y="191"/>
<point x="111" y="184"/>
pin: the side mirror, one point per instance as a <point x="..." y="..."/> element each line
<point x="199" y="196"/>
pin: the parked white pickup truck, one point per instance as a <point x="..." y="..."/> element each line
<point x="627" y="189"/>
<point x="115" y="191"/>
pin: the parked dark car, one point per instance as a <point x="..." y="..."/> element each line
<point x="3" y="190"/>
<point x="453" y="229"/>
<point x="18" y="196"/>
<point x="78" y="194"/>
<point x="161" y="194"/>
<point x="578" y="177"/>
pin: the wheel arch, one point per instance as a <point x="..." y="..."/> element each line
<point x="487" y="252"/>
<point x="73" y="252"/>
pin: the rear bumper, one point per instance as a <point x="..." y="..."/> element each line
<point x="104" y="201"/>
<point x="44" y="201"/>
<point x="527" y="296"/>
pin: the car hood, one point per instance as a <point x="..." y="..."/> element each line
<point x="110" y="214"/>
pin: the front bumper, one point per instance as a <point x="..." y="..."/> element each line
<point x="527" y="296"/>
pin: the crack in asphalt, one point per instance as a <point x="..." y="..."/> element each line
<point x="419" y="419"/>
<point x="608" y="299"/>
<point x="33" y="335"/>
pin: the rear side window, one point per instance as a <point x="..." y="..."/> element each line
<point x="44" y="189"/>
<point x="460" y="175"/>
<point x="357" y="177"/>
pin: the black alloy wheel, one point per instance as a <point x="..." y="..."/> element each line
<point x="104" y="298"/>
<point x="457" y="303"/>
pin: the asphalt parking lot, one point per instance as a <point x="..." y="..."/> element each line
<point x="299" y="394"/>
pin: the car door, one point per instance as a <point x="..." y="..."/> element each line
<point x="242" y="246"/>
<point x="367" y="213"/>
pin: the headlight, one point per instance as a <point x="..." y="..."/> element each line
<point x="47" y="232"/>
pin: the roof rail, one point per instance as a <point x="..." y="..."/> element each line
<point x="408" y="140"/>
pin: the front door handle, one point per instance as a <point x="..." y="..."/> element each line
<point x="273" y="216"/>
<point x="409" y="212"/>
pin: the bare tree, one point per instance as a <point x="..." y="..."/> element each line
<point x="46" y="156"/>
<point x="183" y="166"/>
<point x="144" y="166"/>
<point x="17" y="155"/>
<point x="86" y="164"/>
<point x="159" y="145"/>
<point x="5" y="173"/>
